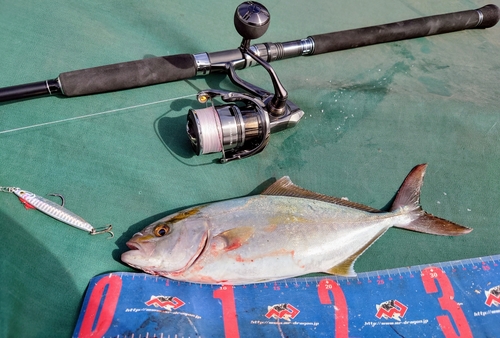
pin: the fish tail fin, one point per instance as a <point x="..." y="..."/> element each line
<point x="408" y="196"/>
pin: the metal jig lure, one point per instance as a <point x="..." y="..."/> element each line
<point x="54" y="210"/>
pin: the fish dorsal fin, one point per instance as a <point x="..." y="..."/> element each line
<point x="346" y="268"/>
<point x="285" y="187"/>
<point x="233" y="238"/>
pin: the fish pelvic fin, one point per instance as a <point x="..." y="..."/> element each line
<point x="408" y="196"/>
<point x="346" y="268"/>
<point x="285" y="187"/>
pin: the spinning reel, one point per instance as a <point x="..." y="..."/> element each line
<point x="241" y="127"/>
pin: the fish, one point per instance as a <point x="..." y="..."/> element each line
<point x="284" y="232"/>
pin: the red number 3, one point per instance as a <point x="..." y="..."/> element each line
<point x="431" y="277"/>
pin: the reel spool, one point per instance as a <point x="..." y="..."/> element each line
<point x="236" y="131"/>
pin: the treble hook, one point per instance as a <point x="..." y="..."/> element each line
<point x="60" y="196"/>
<point x="108" y="229"/>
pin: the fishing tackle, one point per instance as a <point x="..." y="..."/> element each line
<point x="241" y="127"/>
<point x="60" y="196"/>
<point x="54" y="210"/>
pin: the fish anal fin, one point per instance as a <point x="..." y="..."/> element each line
<point x="285" y="187"/>
<point x="233" y="238"/>
<point x="346" y="267"/>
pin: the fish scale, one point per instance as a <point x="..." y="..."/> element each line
<point x="456" y="298"/>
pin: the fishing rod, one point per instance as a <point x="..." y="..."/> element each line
<point x="241" y="127"/>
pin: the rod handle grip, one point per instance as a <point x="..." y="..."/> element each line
<point x="491" y="16"/>
<point x="127" y="75"/>
<point x="483" y="17"/>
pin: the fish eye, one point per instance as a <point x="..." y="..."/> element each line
<point x="161" y="230"/>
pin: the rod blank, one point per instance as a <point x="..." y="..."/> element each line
<point x="184" y="66"/>
<point x="48" y="87"/>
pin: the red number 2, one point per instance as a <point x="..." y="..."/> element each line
<point x="226" y="295"/>
<point x="97" y="327"/>
<point x="431" y="277"/>
<point x="341" y="319"/>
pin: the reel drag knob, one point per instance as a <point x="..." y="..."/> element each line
<point x="251" y="20"/>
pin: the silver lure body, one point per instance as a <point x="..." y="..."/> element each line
<point x="53" y="210"/>
<point x="56" y="211"/>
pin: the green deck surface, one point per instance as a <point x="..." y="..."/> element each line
<point x="123" y="158"/>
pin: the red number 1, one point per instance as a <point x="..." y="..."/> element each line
<point x="432" y="276"/>
<point x="341" y="319"/>
<point x="229" y="317"/>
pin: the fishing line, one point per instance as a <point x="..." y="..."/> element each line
<point x="94" y="114"/>
<point x="210" y="129"/>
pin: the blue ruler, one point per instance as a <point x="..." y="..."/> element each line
<point x="452" y="299"/>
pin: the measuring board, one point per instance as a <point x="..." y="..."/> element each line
<point x="452" y="299"/>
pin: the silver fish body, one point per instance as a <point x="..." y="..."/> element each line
<point x="285" y="232"/>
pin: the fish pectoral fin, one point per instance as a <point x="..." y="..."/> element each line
<point x="234" y="238"/>
<point x="285" y="187"/>
<point x="346" y="267"/>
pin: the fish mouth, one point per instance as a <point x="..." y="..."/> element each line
<point x="140" y="243"/>
<point x="132" y="245"/>
<point x="145" y="248"/>
<point x="135" y="255"/>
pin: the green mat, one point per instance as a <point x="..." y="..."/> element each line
<point x="371" y="114"/>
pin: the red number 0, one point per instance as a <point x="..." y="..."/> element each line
<point x="226" y="295"/>
<point x="91" y="328"/>
<point x="431" y="277"/>
<point x="341" y="319"/>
